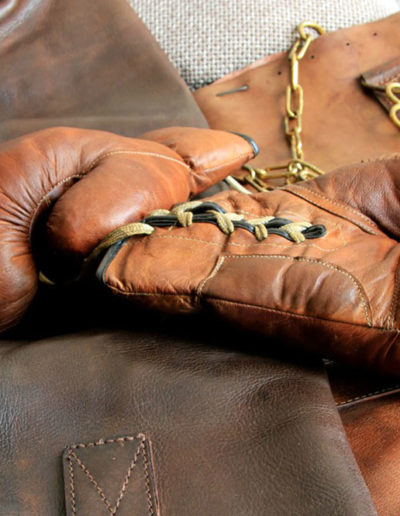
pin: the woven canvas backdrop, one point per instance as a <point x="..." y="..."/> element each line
<point x="206" y="39"/>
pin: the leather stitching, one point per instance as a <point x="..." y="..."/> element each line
<point x="388" y="79"/>
<point x="365" y="396"/>
<point x="72" y="486"/>
<point x="44" y="198"/>
<point x="139" y="153"/>
<point x="90" y="167"/>
<point x="359" y="288"/>
<point x="363" y="297"/>
<point x="147" y="481"/>
<point x="225" y="163"/>
<point x="215" y="270"/>
<point x="344" y="206"/>
<point x="72" y="456"/>
<point x="299" y="316"/>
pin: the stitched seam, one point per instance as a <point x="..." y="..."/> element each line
<point x="100" y="442"/>
<point x="394" y="303"/>
<point x="184" y="238"/>
<point x="364" y="299"/>
<point x="342" y="204"/>
<point x="364" y="396"/>
<point x="43" y="198"/>
<point x="333" y="212"/>
<point x="140" y="153"/>
<point x="112" y="510"/>
<point x="359" y="289"/>
<point x="292" y="314"/>
<point x="92" y="481"/>
<point x="147" y="481"/>
<point x="387" y="79"/>
<point x="216" y="269"/>
<point x="72" y="485"/>
<point x="357" y="223"/>
<point x="128" y="476"/>
<point x="149" y="294"/>
<point x="91" y="166"/>
<point x="236" y="158"/>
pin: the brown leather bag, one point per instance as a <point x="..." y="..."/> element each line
<point x="81" y="64"/>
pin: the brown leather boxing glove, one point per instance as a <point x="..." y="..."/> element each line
<point x="128" y="178"/>
<point x="316" y="264"/>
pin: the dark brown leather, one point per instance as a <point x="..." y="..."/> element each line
<point x="231" y="433"/>
<point x="88" y="65"/>
<point x="335" y="295"/>
<point x="342" y="123"/>
<point x="373" y="428"/>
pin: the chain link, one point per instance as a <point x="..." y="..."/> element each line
<point x="297" y="169"/>
<point x="393" y="92"/>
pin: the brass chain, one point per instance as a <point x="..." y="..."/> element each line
<point x="296" y="169"/>
<point x="392" y="91"/>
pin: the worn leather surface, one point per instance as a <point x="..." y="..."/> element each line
<point x="73" y="64"/>
<point x="127" y="181"/>
<point x="129" y="178"/>
<point x="68" y="63"/>
<point x="230" y="432"/>
<point x="314" y="294"/>
<point x="373" y="429"/>
<point x="342" y="123"/>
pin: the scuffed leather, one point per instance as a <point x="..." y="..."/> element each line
<point x="336" y="296"/>
<point x="134" y="176"/>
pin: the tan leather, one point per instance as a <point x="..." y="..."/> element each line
<point x="336" y="296"/>
<point x="373" y="429"/>
<point x="134" y="175"/>
<point x="68" y="63"/>
<point x="342" y="123"/>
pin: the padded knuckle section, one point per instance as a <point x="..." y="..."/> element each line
<point x="211" y="154"/>
<point x="122" y="187"/>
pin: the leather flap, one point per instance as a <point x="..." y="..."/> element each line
<point x="376" y="80"/>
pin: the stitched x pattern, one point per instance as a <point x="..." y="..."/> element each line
<point x="72" y="457"/>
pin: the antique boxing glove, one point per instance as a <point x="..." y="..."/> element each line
<point x="315" y="264"/>
<point x="137" y="175"/>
